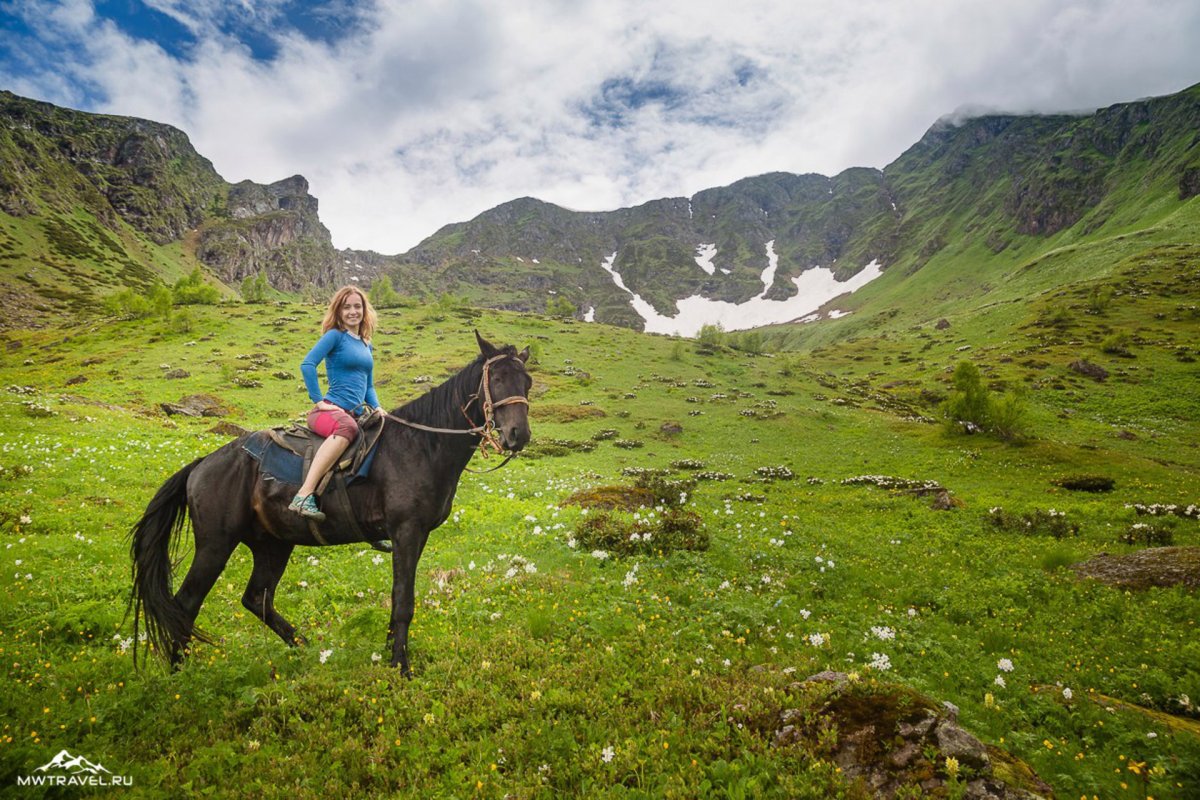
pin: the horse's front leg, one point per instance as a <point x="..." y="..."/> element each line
<point x="406" y="552"/>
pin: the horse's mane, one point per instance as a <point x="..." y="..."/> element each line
<point x="441" y="407"/>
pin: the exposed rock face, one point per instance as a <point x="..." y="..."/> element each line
<point x="1189" y="183"/>
<point x="275" y="229"/>
<point x="55" y="162"/>
<point x="143" y="172"/>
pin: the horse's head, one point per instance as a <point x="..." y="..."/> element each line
<point x="509" y="384"/>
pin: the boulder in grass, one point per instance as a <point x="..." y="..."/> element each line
<point x="176" y="374"/>
<point x="225" y="428"/>
<point x="1155" y="566"/>
<point x="198" y="405"/>
<point x="891" y="739"/>
<point x="1088" y="369"/>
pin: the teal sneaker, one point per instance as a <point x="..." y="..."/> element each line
<point x="307" y="507"/>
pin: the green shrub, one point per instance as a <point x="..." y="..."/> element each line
<point x="1034" y="523"/>
<point x="128" y="304"/>
<point x="1008" y="417"/>
<point x="559" y="306"/>
<point x="255" y="288"/>
<point x="161" y="301"/>
<point x="183" y="321"/>
<point x="1086" y="483"/>
<point x="711" y="336"/>
<point x="1117" y="344"/>
<point x="972" y="407"/>
<point x="619" y="535"/>
<point x="382" y="293"/>
<point x="1099" y="299"/>
<point x="1156" y="534"/>
<point x="969" y="400"/>
<point x="749" y="342"/>
<point x="192" y="290"/>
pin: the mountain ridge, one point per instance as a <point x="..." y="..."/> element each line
<point x="136" y="192"/>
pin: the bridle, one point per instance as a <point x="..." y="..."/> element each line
<point x="489" y="439"/>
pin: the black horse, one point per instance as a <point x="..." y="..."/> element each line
<point x="407" y="494"/>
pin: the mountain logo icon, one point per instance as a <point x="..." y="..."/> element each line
<point x="74" y="765"/>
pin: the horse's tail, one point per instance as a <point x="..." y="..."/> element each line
<point x="168" y="626"/>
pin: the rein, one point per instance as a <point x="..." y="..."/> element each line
<point x="490" y="440"/>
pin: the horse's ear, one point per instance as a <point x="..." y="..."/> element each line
<point x="485" y="346"/>
<point x="523" y="355"/>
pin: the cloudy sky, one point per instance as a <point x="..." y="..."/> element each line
<point x="406" y="115"/>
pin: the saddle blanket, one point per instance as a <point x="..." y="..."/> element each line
<point x="286" y="466"/>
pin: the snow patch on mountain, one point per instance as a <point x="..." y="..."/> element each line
<point x="814" y="288"/>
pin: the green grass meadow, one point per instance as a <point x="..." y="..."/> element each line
<point x="543" y="668"/>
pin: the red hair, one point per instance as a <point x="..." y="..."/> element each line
<point x="333" y="314"/>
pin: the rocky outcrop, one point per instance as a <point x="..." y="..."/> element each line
<point x="1156" y="566"/>
<point x="145" y="173"/>
<point x="886" y="740"/>
<point x="272" y="229"/>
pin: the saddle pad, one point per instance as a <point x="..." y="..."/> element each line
<point x="285" y="465"/>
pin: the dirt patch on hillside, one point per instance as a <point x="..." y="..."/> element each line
<point x="1157" y="566"/>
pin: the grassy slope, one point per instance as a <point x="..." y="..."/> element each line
<point x="524" y="679"/>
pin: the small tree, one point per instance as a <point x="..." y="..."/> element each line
<point x="751" y="342"/>
<point x="559" y="306"/>
<point x="382" y="293"/>
<point x="711" y="335"/>
<point x="255" y="288"/>
<point x="969" y="401"/>
<point x="972" y="403"/>
<point x="161" y="301"/>
<point x="128" y="304"/>
<point x="192" y="290"/>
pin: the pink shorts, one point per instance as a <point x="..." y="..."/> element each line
<point x="333" y="423"/>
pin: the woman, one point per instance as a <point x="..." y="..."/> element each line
<point x="345" y="347"/>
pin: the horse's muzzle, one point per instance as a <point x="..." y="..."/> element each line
<point x="514" y="437"/>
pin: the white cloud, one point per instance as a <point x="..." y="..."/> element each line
<point x="427" y="112"/>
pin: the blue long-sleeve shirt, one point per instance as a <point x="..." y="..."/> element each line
<point x="349" y="368"/>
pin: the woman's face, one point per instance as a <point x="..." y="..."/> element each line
<point x="351" y="311"/>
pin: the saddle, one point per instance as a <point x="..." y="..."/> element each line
<point x="285" y="454"/>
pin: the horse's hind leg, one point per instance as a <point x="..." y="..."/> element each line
<point x="270" y="560"/>
<point x="212" y="554"/>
